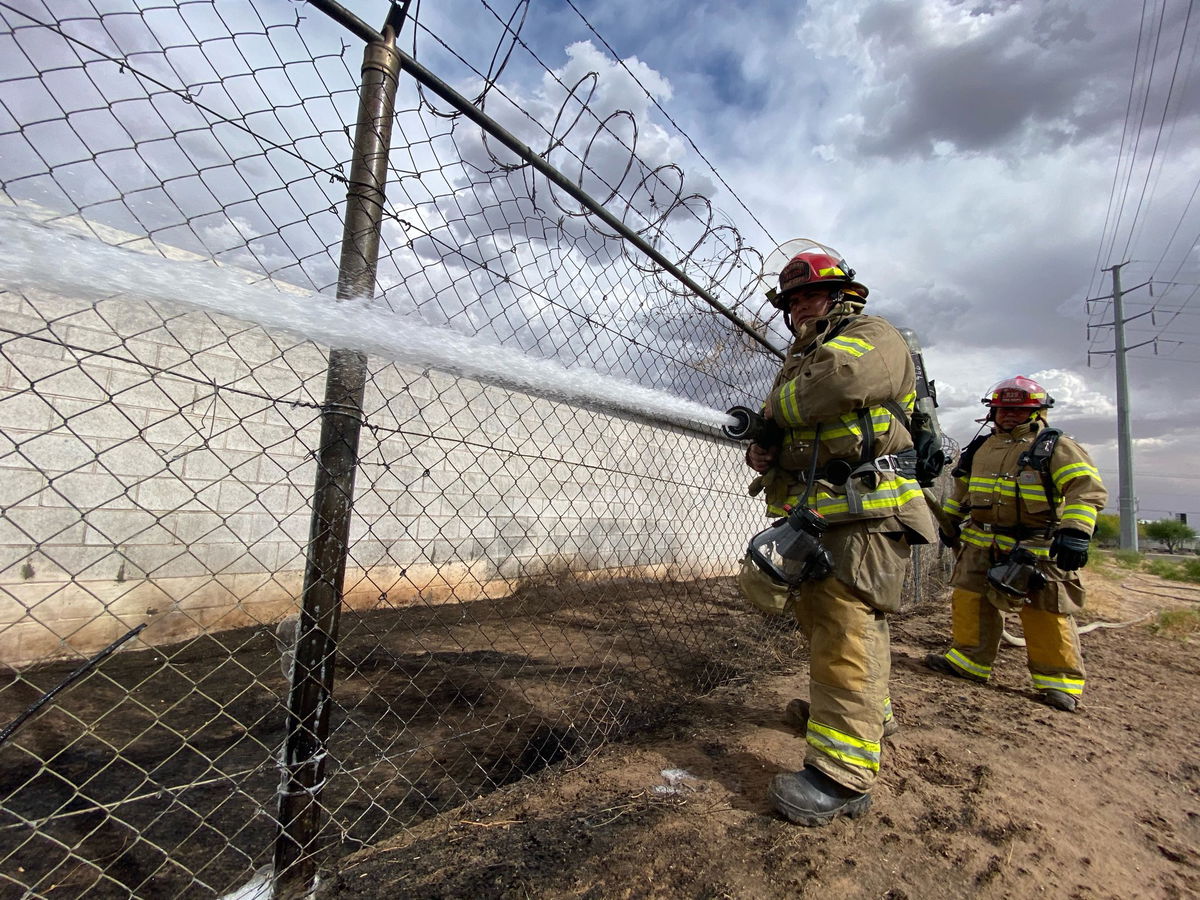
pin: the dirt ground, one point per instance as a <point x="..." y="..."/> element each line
<point x="550" y="744"/>
<point x="983" y="793"/>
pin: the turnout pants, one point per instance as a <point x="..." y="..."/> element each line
<point x="850" y="663"/>
<point x="1051" y="642"/>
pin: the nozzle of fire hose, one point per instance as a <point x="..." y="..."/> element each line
<point x="751" y="426"/>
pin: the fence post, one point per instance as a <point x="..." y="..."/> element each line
<point x="310" y="696"/>
<point x="916" y="574"/>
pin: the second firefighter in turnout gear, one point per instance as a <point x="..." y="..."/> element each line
<point x="1025" y="499"/>
<point x="841" y="403"/>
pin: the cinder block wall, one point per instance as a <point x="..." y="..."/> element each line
<point x="157" y="467"/>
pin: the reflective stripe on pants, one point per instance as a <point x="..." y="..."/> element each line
<point x="1051" y="642"/>
<point x="850" y="663"/>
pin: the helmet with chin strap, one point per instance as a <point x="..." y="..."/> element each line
<point x="1018" y="392"/>
<point x="811" y="268"/>
<point x="803" y="264"/>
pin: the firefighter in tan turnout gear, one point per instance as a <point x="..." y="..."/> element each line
<point x="1025" y="499"/>
<point x="841" y="404"/>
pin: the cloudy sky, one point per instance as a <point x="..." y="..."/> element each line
<point x="978" y="162"/>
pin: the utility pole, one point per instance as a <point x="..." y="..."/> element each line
<point x="1127" y="502"/>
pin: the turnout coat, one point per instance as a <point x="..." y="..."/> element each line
<point x="1004" y="500"/>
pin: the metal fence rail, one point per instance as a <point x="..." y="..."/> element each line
<point x="204" y="677"/>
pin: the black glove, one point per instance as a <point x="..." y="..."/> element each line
<point x="1069" y="549"/>
<point x="949" y="540"/>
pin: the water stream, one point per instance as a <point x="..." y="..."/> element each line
<point x="59" y="259"/>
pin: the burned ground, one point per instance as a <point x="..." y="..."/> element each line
<point x="571" y="740"/>
<point x="984" y="792"/>
<point x="156" y="775"/>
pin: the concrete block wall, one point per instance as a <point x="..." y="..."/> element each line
<point x="157" y="467"/>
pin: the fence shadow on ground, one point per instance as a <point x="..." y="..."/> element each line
<point x="110" y="790"/>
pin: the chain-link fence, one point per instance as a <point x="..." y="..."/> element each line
<point x="281" y="574"/>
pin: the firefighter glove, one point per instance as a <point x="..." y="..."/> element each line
<point x="1069" y="549"/>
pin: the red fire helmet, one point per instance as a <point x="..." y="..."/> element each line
<point x="811" y="267"/>
<point x="1018" y="392"/>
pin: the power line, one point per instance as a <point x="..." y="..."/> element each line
<point x="1137" y="141"/>
<point x="1112" y="191"/>
<point x="1107" y="472"/>
<point x="1183" y="215"/>
<point x="1162" y="122"/>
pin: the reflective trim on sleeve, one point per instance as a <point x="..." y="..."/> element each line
<point x="953" y="507"/>
<point x="854" y="346"/>
<point x="845" y="748"/>
<point x="1079" y="512"/>
<point x="1074" y="470"/>
<point x="789" y="404"/>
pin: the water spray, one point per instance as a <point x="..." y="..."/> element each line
<point x="60" y="258"/>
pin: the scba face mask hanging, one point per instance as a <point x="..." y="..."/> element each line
<point x="790" y="551"/>
<point x="1017" y="574"/>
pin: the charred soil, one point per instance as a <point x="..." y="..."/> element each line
<point x="984" y="792"/>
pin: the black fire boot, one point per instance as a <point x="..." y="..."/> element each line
<point x="1058" y="699"/>
<point x="940" y="664"/>
<point x="810" y="797"/>
<point x="796" y="715"/>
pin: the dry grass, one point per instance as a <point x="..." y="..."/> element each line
<point x="1180" y="624"/>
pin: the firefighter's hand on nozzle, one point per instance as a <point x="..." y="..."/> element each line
<point x="761" y="458"/>
<point x="1069" y="549"/>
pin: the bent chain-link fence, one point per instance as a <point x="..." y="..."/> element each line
<point x="520" y="537"/>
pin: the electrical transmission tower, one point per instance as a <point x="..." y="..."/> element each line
<point x="1127" y="503"/>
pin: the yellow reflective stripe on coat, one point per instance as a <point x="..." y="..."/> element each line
<point x="1079" y="512"/>
<point x="1064" y="683"/>
<point x="881" y="420"/>
<point x="1006" y="487"/>
<point x="1074" y="470"/>
<point x="980" y="484"/>
<point x="959" y="661"/>
<point x="790" y="502"/>
<point x="854" y="346"/>
<point x="1032" y="492"/>
<point x="896" y="492"/>
<point x="845" y="748"/>
<point x="849" y="426"/>
<point x="890" y="494"/>
<point x="953" y="508"/>
<point x="977" y="537"/>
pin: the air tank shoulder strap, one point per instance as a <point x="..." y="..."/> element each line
<point x="1038" y="456"/>
<point x="963" y="469"/>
